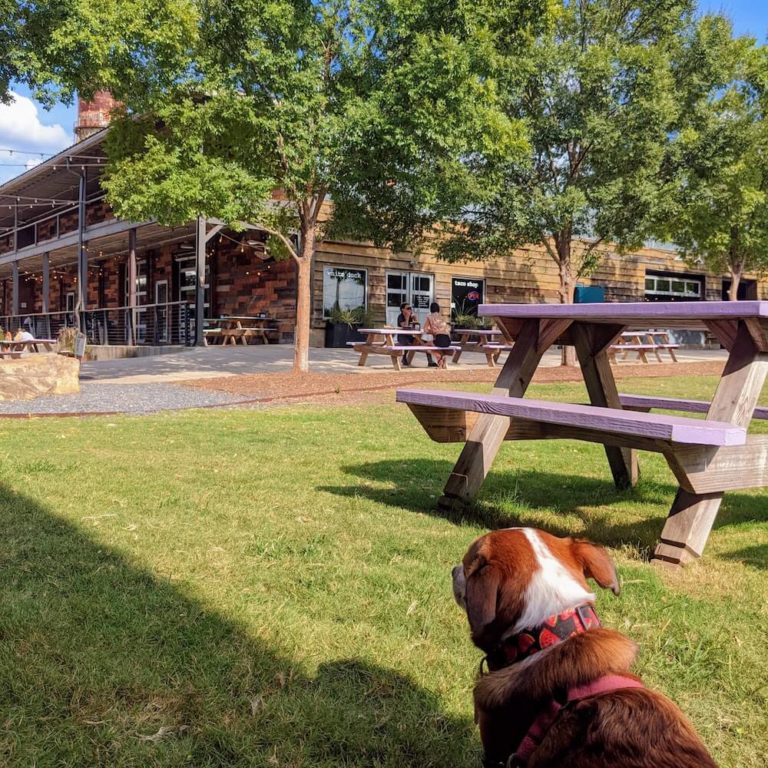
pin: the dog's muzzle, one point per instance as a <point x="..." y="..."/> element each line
<point x="459" y="586"/>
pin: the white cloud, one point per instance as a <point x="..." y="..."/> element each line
<point x="21" y="127"/>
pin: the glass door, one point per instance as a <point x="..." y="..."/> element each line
<point x="417" y="288"/>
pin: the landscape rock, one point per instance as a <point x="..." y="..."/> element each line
<point x="35" y="374"/>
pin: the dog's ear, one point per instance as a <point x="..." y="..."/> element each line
<point x="482" y="592"/>
<point x="596" y="564"/>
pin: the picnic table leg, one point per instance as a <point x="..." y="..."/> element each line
<point x="592" y="346"/>
<point x="692" y="515"/>
<point x="488" y="433"/>
<point x="396" y="361"/>
<point x="363" y="357"/>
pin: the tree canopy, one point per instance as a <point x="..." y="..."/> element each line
<point x="596" y="94"/>
<point x="717" y="196"/>
<point x="226" y="103"/>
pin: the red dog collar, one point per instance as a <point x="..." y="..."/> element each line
<point x="554" y="630"/>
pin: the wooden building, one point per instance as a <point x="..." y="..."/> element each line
<point x="64" y="254"/>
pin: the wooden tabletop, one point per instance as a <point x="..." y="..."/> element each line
<point x="396" y="331"/>
<point x="673" y="314"/>
<point x="478" y="331"/>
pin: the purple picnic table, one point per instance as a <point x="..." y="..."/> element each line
<point x="707" y="456"/>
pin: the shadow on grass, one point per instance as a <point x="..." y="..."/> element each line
<point x="756" y="556"/>
<point x="104" y="663"/>
<point x="417" y="484"/>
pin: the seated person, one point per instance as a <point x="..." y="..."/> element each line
<point x="22" y="335"/>
<point x="407" y="319"/>
<point x="438" y="326"/>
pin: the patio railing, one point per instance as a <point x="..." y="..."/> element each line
<point x="148" y="324"/>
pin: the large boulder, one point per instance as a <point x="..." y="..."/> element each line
<point x="37" y="374"/>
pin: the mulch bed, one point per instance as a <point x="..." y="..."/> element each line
<point x="271" y="387"/>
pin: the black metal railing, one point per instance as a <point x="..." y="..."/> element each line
<point x="148" y="324"/>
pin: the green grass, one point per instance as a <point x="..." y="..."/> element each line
<point x="271" y="588"/>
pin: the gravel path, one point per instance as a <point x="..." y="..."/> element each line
<point x="120" y="398"/>
<point x="151" y="396"/>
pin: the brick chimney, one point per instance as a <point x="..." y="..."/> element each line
<point x="93" y="115"/>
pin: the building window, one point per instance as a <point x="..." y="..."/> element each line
<point x="673" y="288"/>
<point x="344" y="288"/>
<point x="467" y="294"/>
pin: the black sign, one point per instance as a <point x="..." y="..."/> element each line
<point x="421" y="301"/>
<point x="466" y="295"/>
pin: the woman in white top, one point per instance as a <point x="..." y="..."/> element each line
<point x="438" y="326"/>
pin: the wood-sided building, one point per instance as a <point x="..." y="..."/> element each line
<point x="63" y="254"/>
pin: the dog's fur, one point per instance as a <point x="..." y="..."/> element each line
<point x="514" y="579"/>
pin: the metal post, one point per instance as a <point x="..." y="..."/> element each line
<point x="46" y="297"/>
<point x="131" y="285"/>
<point x="15" y="302"/>
<point x="82" y="256"/>
<point x="200" y="243"/>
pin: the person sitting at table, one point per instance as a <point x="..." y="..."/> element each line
<point x="407" y="319"/>
<point x="22" y="335"/>
<point x="438" y="326"/>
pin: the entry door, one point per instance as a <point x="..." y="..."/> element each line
<point x="417" y="288"/>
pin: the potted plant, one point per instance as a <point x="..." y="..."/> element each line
<point x="342" y="324"/>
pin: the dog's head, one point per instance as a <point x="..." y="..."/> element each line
<point x="513" y="579"/>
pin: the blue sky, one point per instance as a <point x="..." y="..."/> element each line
<point x="27" y="126"/>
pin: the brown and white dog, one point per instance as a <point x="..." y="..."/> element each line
<point x="559" y="693"/>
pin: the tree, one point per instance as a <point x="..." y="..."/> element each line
<point x="595" y="90"/>
<point x="718" y="165"/>
<point x="252" y="114"/>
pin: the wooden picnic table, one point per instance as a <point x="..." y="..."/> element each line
<point x="486" y="341"/>
<point x="14" y="349"/>
<point x="643" y="342"/>
<point x="238" y="328"/>
<point x="707" y="456"/>
<point x="384" y="341"/>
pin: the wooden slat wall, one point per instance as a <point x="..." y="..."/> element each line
<point x="527" y="276"/>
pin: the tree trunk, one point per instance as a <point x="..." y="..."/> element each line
<point x="303" y="300"/>
<point x="733" y="291"/>
<point x="566" y="288"/>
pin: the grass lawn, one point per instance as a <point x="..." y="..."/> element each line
<point x="271" y="588"/>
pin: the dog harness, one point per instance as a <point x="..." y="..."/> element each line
<point x="554" y="630"/>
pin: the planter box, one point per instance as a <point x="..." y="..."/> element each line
<point x="338" y="334"/>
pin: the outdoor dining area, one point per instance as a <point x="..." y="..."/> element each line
<point x="707" y="457"/>
<point x="236" y="329"/>
<point x="388" y="341"/>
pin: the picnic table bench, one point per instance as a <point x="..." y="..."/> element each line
<point x="707" y="456"/>
<point x="241" y="328"/>
<point x="643" y="342"/>
<point x="383" y="341"/>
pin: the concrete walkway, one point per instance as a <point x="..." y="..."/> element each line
<point x="204" y="362"/>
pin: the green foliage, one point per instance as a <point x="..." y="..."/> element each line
<point x="356" y="316"/>
<point x="717" y="209"/>
<point x="593" y="88"/>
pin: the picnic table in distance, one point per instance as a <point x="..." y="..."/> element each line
<point x="384" y="341"/>
<point x="708" y="457"/>
<point x="642" y="342"/>
<point x="487" y="341"/>
<point x="239" y="328"/>
<point x="14" y="349"/>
